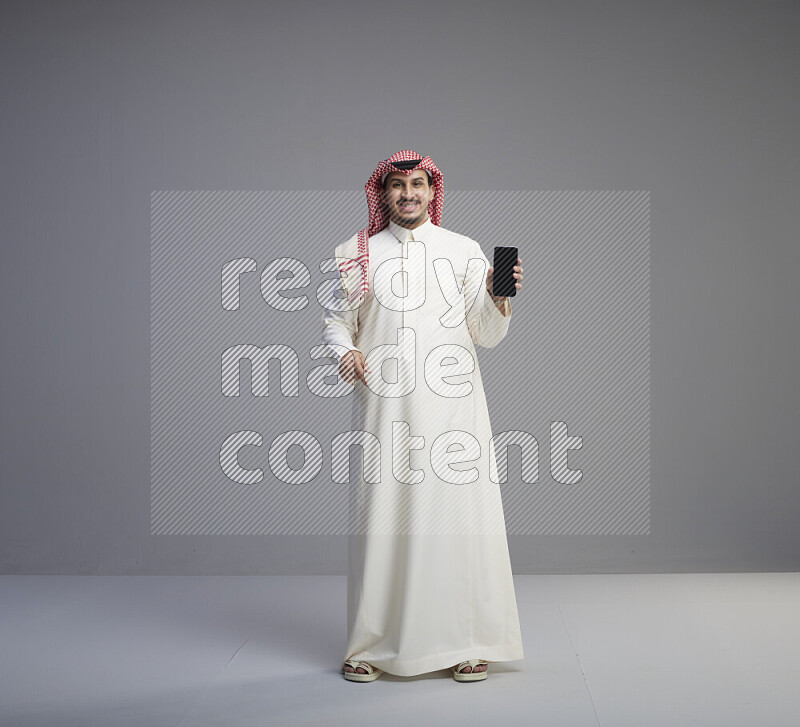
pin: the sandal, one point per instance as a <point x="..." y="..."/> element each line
<point x="372" y="671"/>
<point x="470" y="676"/>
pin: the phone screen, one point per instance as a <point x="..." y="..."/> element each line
<point x="505" y="258"/>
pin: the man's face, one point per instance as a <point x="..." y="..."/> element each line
<point x="407" y="196"/>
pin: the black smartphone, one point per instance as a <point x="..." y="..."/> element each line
<point x="505" y="258"/>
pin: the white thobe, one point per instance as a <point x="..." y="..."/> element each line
<point x="429" y="574"/>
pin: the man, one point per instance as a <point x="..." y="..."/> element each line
<point x="429" y="574"/>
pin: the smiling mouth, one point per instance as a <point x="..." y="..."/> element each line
<point x="408" y="207"/>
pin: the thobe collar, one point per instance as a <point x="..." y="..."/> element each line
<point x="403" y="234"/>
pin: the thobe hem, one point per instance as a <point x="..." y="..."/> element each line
<point x="444" y="660"/>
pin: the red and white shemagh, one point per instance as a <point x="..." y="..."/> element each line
<point x="379" y="213"/>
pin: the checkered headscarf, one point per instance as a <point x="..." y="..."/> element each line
<point x="405" y="161"/>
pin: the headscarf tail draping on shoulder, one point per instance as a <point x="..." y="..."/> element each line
<point x="354" y="254"/>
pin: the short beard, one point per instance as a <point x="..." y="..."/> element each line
<point x="404" y="222"/>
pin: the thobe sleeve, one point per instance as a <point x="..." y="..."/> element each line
<point x="339" y="330"/>
<point x="487" y="325"/>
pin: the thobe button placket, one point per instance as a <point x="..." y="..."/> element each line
<point x="404" y="276"/>
<point x="408" y="315"/>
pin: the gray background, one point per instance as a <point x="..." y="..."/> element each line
<point x="105" y="102"/>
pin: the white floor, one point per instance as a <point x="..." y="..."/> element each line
<point x="611" y="650"/>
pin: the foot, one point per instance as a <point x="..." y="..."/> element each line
<point x="468" y="669"/>
<point x="357" y="670"/>
<point x="360" y="671"/>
